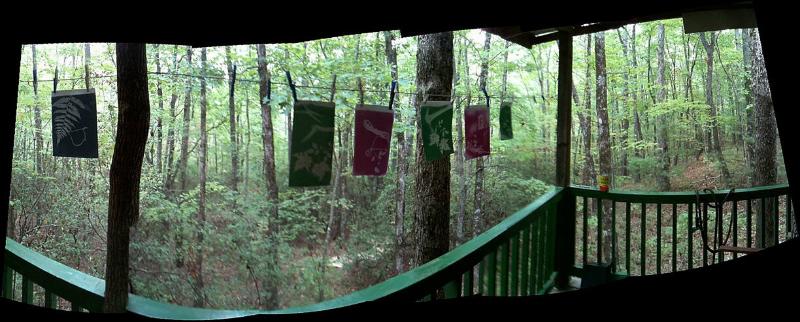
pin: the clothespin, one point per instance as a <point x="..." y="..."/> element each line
<point x="333" y="87"/>
<point x="391" y="93"/>
<point x="55" y="81"/>
<point x="291" y="85"/>
<point x="233" y="80"/>
<point x="360" y="91"/>
<point x="487" y="96"/>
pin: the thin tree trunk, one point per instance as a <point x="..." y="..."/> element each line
<point x="637" y="123"/>
<point x="603" y="135"/>
<point x="460" y="171"/>
<point x="196" y="271"/>
<point x="402" y="165"/>
<point x="126" y="168"/>
<point x="588" y="175"/>
<point x="626" y="101"/>
<point x="748" y="100"/>
<point x="479" y="166"/>
<point x="271" y="286"/>
<point x="432" y="192"/>
<point x="169" y="183"/>
<point x="662" y="178"/>
<point x="37" y="115"/>
<point x="160" y="94"/>
<point x="234" y="180"/>
<point x="187" y="119"/>
<point x="715" y="143"/>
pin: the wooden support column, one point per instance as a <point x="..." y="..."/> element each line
<point x="564" y="122"/>
<point x="9" y="119"/>
<point x="776" y="59"/>
<point x="565" y="223"/>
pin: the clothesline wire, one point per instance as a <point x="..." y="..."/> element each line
<point x="328" y="88"/>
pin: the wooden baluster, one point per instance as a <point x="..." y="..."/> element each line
<point x="599" y="206"/>
<point x="735" y="215"/>
<point x="674" y="237"/>
<point x="491" y="274"/>
<point x="514" y="265"/>
<point x="643" y="240"/>
<point x="504" y="269"/>
<point x="628" y="238"/>
<point x="27" y="290"/>
<point x="658" y="238"/>
<point x="690" y="244"/>
<point x="524" y="261"/>
<point x="585" y="231"/>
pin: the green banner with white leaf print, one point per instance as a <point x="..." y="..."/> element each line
<point x="436" y="121"/>
<point x="311" y="147"/>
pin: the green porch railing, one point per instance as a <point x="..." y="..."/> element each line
<point x="515" y="257"/>
<point x="644" y="233"/>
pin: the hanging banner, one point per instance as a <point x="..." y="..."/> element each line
<point x="476" y="124"/>
<point x="373" y="132"/>
<point x="436" y="122"/>
<point x="311" y="144"/>
<point x="74" y="124"/>
<point x="506" y="129"/>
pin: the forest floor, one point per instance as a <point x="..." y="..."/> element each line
<point x="697" y="174"/>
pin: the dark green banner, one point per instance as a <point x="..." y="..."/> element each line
<point x="506" y="129"/>
<point x="311" y="144"/>
<point x="75" y="124"/>
<point x="436" y="122"/>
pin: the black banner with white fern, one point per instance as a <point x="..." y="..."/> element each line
<point x="74" y="124"/>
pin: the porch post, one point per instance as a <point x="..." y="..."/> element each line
<point x="774" y="45"/>
<point x="6" y="154"/>
<point x="565" y="223"/>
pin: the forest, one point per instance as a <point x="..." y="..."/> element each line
<point x="654" y="109"/>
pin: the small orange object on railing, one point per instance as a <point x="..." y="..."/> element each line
<point x="603" y="183"/>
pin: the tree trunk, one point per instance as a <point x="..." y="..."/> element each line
<point x="271" y="286"/>
<point x="479" y="167"/>
<point x="637" y="123"/>
<point x="37" y="115"/>
<point x="460" y="171"/>
<point x="169" y="182"/>
<point x="196" y="271"/>
<point x="765" y="166"/>
<point x="603" y="135"/>
<point x="715" y="143"/>
<point x="588" y="175"/>
<point x="626" y="101"/>
<point x="748" y="101"/>
<point x="160" y="94"/>
<point x="402" y="165"/>
<point x="234" y="180"/>
<point x="662" y="178"/>
<point x="126" y="168"/>
<point x="432" y="192"/>
<point x="187" y="119"/>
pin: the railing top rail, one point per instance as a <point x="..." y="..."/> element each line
<point x="403" y="286"/>
<point x="61" y="279"/>
<point x="681" y="197"/>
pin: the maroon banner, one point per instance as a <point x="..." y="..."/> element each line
<point x="372" y="136"/>
<point x="476" y="124"/>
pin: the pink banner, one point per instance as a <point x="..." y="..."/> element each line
<point x="372" y="136"/>
<point x="476" y="124"/>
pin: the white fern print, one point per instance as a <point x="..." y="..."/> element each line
<point x="66" y="116"/>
